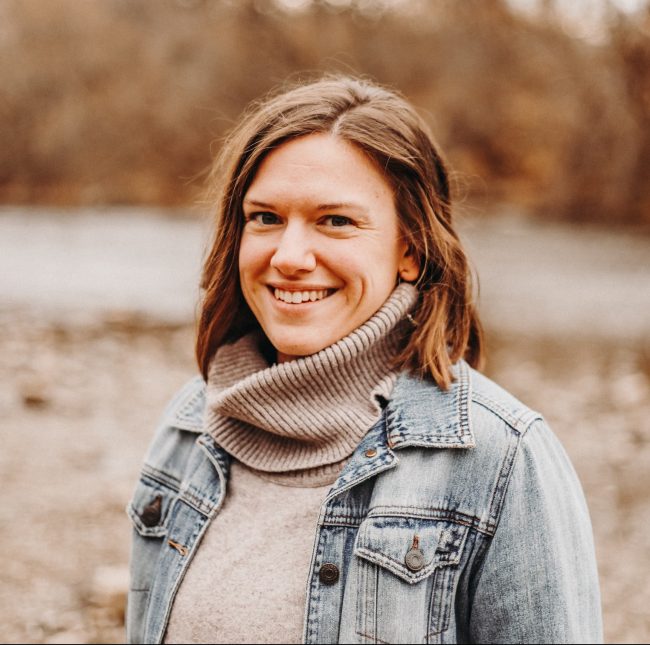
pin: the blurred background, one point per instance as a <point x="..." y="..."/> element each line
<point x="110" y="112"/>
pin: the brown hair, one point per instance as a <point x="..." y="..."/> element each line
<point x="385" y="126"/>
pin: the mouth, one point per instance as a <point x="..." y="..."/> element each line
<point x="300" y="297"/>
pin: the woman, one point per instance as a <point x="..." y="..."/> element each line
<point x="340" y="472"/>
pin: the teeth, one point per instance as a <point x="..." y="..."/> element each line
<point x="297" y="297"/>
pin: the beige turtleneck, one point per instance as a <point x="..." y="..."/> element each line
<point x="290" y="428"/>
<point x="311" y="412"/>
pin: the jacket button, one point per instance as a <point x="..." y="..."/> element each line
<point x="328" y="573"/>
<point x="370" y="453"/>
<point x="414" y="560"/>
<point x="150" y="515"/>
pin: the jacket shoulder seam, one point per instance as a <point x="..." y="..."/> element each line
<point x="500" y="489"/>
<point x="520" y="421"/>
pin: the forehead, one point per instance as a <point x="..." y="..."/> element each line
<point x="319" y="167"/>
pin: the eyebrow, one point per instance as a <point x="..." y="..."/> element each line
<point x="321" y="207"/>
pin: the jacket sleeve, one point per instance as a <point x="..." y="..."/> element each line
<point x="538" y="581"/>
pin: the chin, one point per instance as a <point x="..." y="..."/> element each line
<point x="295" y="349"/>
<point x="292" y="352"/>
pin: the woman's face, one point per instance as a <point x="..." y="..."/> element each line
<point x="321" y="249"/>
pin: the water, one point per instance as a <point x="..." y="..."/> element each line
<point x="72" y="265"/>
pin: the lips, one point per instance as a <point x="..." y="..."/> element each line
<point x="298" y="297"/>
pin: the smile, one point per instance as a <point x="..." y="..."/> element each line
<point x="298" y="297"/>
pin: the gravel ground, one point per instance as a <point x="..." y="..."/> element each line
<point x="81" y="396"/>
<point x="77" y="419"/>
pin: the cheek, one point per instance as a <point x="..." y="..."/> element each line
<point x="360" y="263"/>
<point x="252" y="259"/>
<point x="249" y="270"/>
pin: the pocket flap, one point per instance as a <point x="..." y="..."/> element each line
<point x="149" y="507"/>
<point x="386" y="541"/>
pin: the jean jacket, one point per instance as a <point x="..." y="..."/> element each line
<point x="459" y="519"/>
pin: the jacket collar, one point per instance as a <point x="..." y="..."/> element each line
<point x="418" y="414"/>
<point x="186" y="410"/>
<point x="421" y="414"/>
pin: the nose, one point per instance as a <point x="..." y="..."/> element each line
<point x="294" y="253"/>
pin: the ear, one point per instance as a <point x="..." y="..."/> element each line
<point x="409" y="266"/>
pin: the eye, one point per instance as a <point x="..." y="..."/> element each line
<point x="264" y="218"/>
<point x="337" y="221"/>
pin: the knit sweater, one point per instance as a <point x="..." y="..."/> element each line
<point x="247" y="581"/>
<point x="290" y="428"/>
<point x="305" y="417"/>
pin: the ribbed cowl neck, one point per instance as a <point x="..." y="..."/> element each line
<point x="297" y="422"/>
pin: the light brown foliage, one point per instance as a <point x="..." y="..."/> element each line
<point x="118" y="101"/>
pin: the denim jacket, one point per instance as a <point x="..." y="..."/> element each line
<point x="458" y="519"/>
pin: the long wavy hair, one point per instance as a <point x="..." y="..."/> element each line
<point x="382" y="124"/>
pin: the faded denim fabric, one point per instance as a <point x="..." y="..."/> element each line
<point x="471" y="478"/>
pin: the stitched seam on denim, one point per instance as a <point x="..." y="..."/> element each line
<point x="358" y="478"/>
<point x="313" y="598"/>
<point x="434" y="514"/>
<point x="374" y="639"/>
<point x="210" y="444"/>
<point x="519" y="423"/>
<point x="531" y="420"/>
<point x="375" y="604"/>
<point x="501" y="487"/>
<point x="397" y="567"/>
<point x="202" y="503"/>
<point x="365" y="570"/>
<point x="396" y="429"/>
<point x="360" y="605"/>
<point x="353" y="522"/>
<point x="463" y="401"/>
<point x="161" y="477"/>
<point x="345" y="516"/>
<point x="187" y="496"/>
<point x="443" y="581"/>
<point x="332" y="515"/>
<point x="436" y="441"/>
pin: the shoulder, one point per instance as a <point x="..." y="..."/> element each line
<point x="510" y="430"/>
<point x="501" y="420"/>
<point x="473" y="440"/>
<point x="492" y="428"/>
<point x="472" y="411"/>
<point x="490" y="401"/>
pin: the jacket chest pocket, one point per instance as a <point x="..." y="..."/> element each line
<point x="406" y="578"/>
